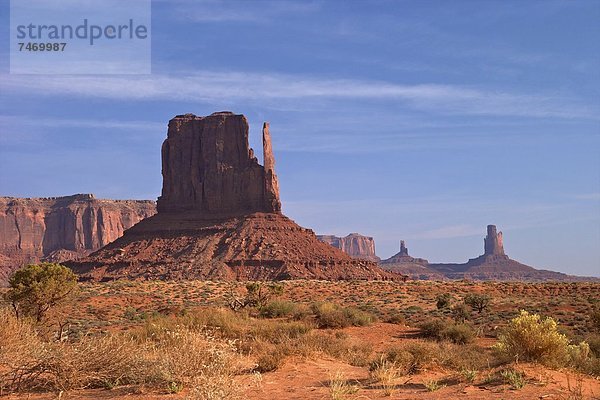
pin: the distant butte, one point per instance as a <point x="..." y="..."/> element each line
<point x="493" y="264"/>
<point x="354" y="244"/>
<point x="219" y="217"/>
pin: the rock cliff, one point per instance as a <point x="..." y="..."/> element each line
<point x="219" y="217"/>
<point x="354" y="244"/>
<point x="61" y="228"/>
<point x="208" y="167"/>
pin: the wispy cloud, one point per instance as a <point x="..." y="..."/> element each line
<point x="586" y="196"/>
<point x="265" y="89"/>
<point x="452" y="231"/>
<point x="236" y="11"/>
<point x="19" y="120"/>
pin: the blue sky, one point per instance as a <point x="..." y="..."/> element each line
<point x="415" y="120"/>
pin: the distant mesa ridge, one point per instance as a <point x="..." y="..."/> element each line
<point x="61" y="228"/>
<point x="354" y="244"/>
<point x="219" y="217"/>
<point x="493" y="264"/>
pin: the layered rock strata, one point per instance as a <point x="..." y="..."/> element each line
<point x="61" y="228"/>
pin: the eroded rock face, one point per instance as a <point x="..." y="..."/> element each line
<point x="354" y="244"/>
<point x="208" y="167"/>
<point x="61" y="228"/>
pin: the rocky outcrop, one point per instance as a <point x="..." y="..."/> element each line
<point x="494" y="264"/>
<point x="493" y="243"/>
<point x="219" y="217"/>
<point x="354" y="244"/>
<point x="415" y="268"/>
<point x="208" y="167"/>
<point x="61" y="228"/>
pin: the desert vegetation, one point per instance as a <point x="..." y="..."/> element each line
<point x="217" y="340"/>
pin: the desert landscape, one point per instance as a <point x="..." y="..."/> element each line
<point x="419" y="219"/>
<point x="218" y="295"/>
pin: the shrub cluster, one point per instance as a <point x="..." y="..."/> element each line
<point x="441" y="330"/>
<point x="329" y="315"/>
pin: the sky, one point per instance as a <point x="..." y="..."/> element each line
<point x="416" y="120"/>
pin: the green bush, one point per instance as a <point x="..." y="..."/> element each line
<point x="531" y="338"/>
<point x="433" y="329"/>
<point x="459" y="333"/>
<point x="329" y="315"/>
<point x="37" y="288"/>
<point x="442" y="330"/>
<point x="278" y="309"/>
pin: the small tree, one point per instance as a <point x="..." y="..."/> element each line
<point x="37" y="288"/>
<point x="478" y="302"/>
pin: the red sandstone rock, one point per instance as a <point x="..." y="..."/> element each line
<point x="208" y="166"/>
<point x="354" y="244"/>
<point x="258" y="246"/>
<point x="61" y="228"/>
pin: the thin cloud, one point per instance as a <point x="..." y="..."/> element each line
<point x="265" y="89"/>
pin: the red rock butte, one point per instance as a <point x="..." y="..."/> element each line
<point x="219" y="217"/>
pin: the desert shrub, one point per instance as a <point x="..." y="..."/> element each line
<point x="395" y="318"/>
<point x="514" y="378"/>
<point x="594" y="343"/>
<point x="270" y="361"/>
<point x="37" y="288"/>
<point x="531" y="338"/>
<point x="478" y="302"/>
<point x="443" y="301"/>
<point x="284" y="308"/>
<point x="337" y="346"/>
<point x="459" y="333"/>
<point x="358" y="317"/>
<point x="460" y="312"/>
<point x="94" y="362"/>
<point x="433" y="385"/>
<point x="385" y="372"/>
<point x="329" y="315"/>
<point x="595" y="319"/>
<point x="339" y="387"/>
<point x="433" y="329"/>
<point x="277" y="331"/>
<point x="20" y="350"/>
<point x="442" y="330"/>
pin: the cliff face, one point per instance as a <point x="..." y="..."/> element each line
<point x="61" y="228"/>
<point x="208" y="167"/>
<point x="355" y="245"/>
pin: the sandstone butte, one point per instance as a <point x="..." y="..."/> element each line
<point x="62" y="228"/>
<point x="219" y="217"/>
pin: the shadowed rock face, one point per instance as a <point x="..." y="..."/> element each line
<point x="61" y="228"/>
<point x="208" y="167"/>
<point x="219" y="217"/>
